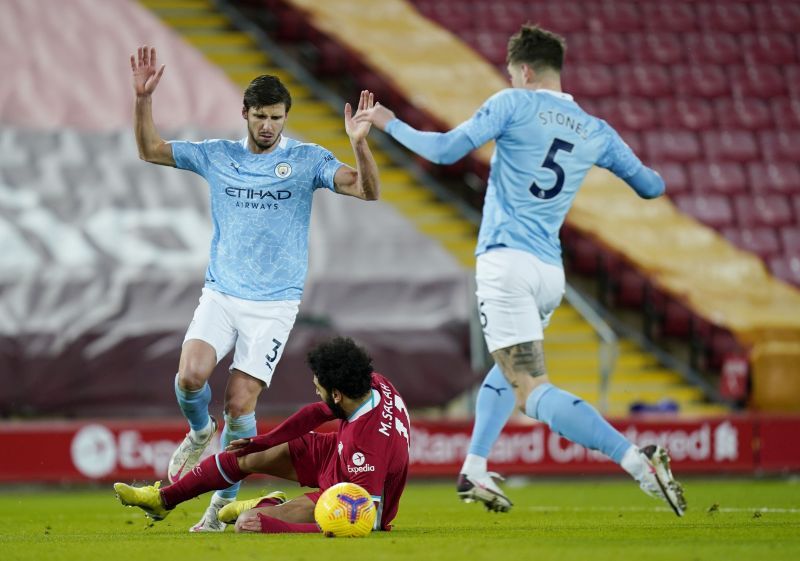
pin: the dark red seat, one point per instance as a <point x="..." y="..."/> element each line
<point x="730" y="145"/>
<point x="757" y="81"/>
<point x="676" y="145"/>
<point x="614" y="17"/>
<point x="659" y="48"/>
<point x="777" y="16"/>
<point x="632" y="113"/>
<point x="743" y="113"/>
<point x="675" y="177"/>
<point x="769" y="48"/>
<point x="712" y="210"/>
<point x="605" y="48"/>
<point x="561" y="17"/>
<point x="790" y="240"/>
<point x="732" y="17"/>
<point x="774" y="177"/>
<point x="590" y="80"/>
<point x="633" y="139"/>
<point x="786" y="268"/>
<point x="646" y="80"/>
<point x="713" y="48"/>
<point x="785" y="112"/>
<point x="763" y="210"/>
<point x="780" y="145"/>
<point x="692" y="113"/>
<point x="706" y="80"/>
<point x="669" y="16"/>
<point x="792" y="73"/>
<point x="762" y="241"/>
<point x="717" y="177"/>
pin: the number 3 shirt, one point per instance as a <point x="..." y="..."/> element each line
<point x="545" y="145"/>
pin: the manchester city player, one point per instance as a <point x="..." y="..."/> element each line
<point x="545" y="145"/>
<point x="261" y="189"/>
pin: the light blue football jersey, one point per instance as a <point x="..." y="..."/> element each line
<point x="545" y="145"/>
<point x="260" y="209"/>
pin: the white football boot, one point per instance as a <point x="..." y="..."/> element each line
<point x="482" y="488"/>
<point x="657" y="480"/>
<point x="187" y="455"/>
<point x="210" y="521"/>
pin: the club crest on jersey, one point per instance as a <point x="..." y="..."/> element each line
<point x="283" y="170"/>
<point x="358" y="458"/>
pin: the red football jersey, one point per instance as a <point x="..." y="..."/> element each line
<point x="373" y="448"/>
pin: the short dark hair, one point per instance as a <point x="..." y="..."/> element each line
<point x="266" y="90"/>
<point x="537" y="47"/>
<point x="340" y="364"/>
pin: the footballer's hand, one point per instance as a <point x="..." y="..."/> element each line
<point x="357" y="129"/>
<point x="237" y="445"/>
<point x="146" y="75"/>
<point x="378" y="115"/>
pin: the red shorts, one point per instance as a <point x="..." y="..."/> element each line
<point x="314" y="458"/>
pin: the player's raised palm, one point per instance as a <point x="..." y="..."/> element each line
<point x="357" y="129"/>
<point x="146" y="74"/>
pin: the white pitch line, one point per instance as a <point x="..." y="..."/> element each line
<point x="764" y="509"/>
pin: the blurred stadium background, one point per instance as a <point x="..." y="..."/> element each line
<point x="682" y="319"/>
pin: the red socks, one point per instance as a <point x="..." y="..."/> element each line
<point x="270" y="525"/>
<point x="206" y="476"/>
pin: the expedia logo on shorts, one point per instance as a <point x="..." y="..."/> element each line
<point x="358" y="459"/>
<point x="283" y="170"/>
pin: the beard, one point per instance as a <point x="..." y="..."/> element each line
<point x="338" y="412"/>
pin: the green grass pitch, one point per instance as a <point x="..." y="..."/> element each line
<point x="590" y="519"/>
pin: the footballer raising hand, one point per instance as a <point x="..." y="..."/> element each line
<point x="143" y="66"/>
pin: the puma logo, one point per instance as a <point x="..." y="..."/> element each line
<point x="498" y="390"/>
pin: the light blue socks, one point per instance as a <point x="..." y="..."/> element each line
<point x="236" y="427"/>
<point x="493" y="407"/>
<point x="194" y="405"/>
<point x="576" y="420"/>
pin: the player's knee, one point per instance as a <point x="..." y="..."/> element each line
<point x="192" y="377"/>
<point x="240" y="403"/>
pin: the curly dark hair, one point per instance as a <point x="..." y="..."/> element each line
<point x="266" y="90"/>
<point x="340" y="364"/>
<point x="537" y="47"/>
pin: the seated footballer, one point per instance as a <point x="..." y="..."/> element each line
<point x="369" y="448"/>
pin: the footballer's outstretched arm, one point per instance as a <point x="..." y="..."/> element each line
<point x="364" y="181"/>
<point x="152" y="148"/>
<point x="437" y="147"/>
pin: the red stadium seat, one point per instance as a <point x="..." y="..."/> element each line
<point x="792" y="73"/>
<point x="669" y="16"/>
<point x="705" y="80"/>
<point x="762" y="241"/>
<point x="790" y="240"/>
<point x="659" y="48"/>
<point x="646" y="80"/>
<point x="632" y="139"/>
<point x="590" y="80"/>
<point x="783" y="145"/>
<point x="757" y="81"/>
<point x="720" y="177"/>
<point x="743" y="113"/>
<point x="593" y="47"/>
<point x="730" y="17"/>
<point x="713" y="48"/>
<point x="786" y="268"/>
<point x="774" y="177"/>
<point x="614" y="17"/>
<point x="785" y="112"/>
<point x="628" y="113"/>
<point x="692" y="113"/>
<point x="730" y="145"/>
<point x="769" y="48"/>
<point x="777" y="16"/>
<point x="674" y="175"/>
<point x="712" y="210"/>
<point x="561" y="17"/>
<point x="677" y="145"/>
<point x="763" y="210"/>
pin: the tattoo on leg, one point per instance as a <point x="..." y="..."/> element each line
<point x="522" y="359"/>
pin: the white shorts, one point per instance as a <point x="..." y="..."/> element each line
<point x="517" y="294"/>
<point x="258" y="328"/>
